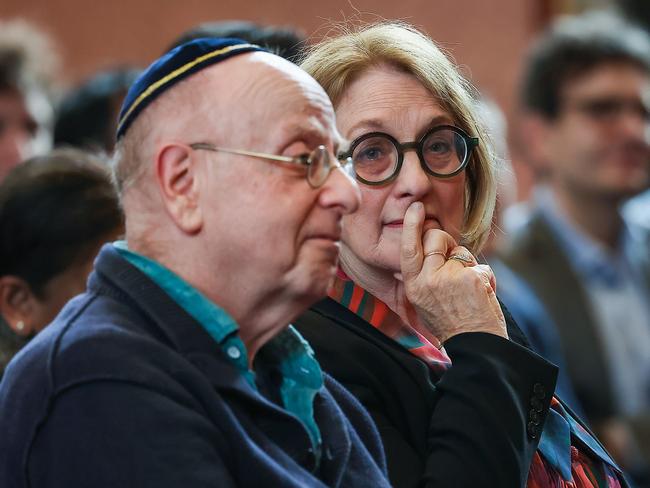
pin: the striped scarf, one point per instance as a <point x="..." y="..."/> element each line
<point x="377" y="314"/>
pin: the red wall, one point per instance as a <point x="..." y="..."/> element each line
<point x="488" y="37"/>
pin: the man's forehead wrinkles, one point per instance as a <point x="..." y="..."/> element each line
<point x="284" y="100"/>
<point x="290" y="84"/>
<point x="267" y="81"/>
<point x="292" y="98"/>
<point x="312" y="120"/>
<point x="308" y="129"/>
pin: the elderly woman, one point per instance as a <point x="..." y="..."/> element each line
<point x="469" y="413"/>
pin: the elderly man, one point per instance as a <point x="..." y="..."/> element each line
<point x="176" y="367"/>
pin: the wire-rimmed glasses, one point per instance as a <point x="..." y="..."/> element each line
<point x="319" y="163"/>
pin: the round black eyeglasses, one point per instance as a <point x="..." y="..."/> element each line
<point x="377" y="158"/>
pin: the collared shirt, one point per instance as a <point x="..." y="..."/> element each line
<point x="620" y="301"/>
<point x="567" y="456"/>
<point x="287" y="353"/>
<point x="637" y="209"/>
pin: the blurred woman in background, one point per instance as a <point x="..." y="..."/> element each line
<point x="55" y="213"/>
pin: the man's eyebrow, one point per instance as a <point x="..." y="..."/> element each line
<point x="300" y="130"/>
<point x="314" y="134"/>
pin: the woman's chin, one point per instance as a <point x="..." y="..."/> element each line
<point x="389" y="264"/>
<point x="383" y="258"/>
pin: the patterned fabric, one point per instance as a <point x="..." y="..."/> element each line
<point x="567" y="456"/>
<point x="377" y="314"/>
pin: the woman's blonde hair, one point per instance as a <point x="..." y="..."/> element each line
<point x="337" y="61"/>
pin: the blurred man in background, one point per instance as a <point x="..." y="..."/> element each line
<point x="585" y="98"/>
<point x="26" y="66"/>
<point x="87" y="116"/>
<point x="520" y="299"/>
<point x="284" y="41"/>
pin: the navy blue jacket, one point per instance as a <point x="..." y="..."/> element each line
<point x="126" y="389"/>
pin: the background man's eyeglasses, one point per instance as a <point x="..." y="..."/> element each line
<point x="610" y="108"/>
<point x="377" y="158"/>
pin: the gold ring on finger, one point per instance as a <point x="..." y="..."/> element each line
<point x="462" y="257"/>
<point x="434" y="253"/>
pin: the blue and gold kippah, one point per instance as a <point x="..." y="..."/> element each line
<point x="174" y="66"/>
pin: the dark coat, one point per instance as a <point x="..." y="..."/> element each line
<point x="537" y="256"/>
<point x="477" y="426"/>
<point x="125" y="389"/>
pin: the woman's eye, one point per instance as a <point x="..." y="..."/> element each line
<point x="373" y="150"/>
<point x="370" y="154"/>
<point x="438" y="147"/>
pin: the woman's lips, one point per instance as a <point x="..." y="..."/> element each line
<point x="395" y="223"/>
<point x="430" y="222"/>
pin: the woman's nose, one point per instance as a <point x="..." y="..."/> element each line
<point x="412" y="179"/>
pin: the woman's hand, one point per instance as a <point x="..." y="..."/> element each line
<point x="450" y="296"/>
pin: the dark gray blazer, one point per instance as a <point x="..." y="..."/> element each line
<point x="537" y="256"/>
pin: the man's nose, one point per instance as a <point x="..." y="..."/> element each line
<point x="14" y="145"/>
<point x="634" y="123"/>
<point x="341" y="190"/>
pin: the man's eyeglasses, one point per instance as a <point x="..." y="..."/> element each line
<point x="610" y="108"/>
<point x="318" y="163"/>
<point x="377" y="158"/>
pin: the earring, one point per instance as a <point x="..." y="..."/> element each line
<point x="20" y="325"/>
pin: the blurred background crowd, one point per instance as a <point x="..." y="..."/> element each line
<point x="564" y="91"/>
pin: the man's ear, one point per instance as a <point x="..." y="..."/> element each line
<point x="17" y="304"/>
<point x="177" y="178"/>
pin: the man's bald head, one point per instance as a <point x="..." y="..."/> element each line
<point x="167" y="72"/>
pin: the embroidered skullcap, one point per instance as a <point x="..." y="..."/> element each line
<point x="174" y="66"/>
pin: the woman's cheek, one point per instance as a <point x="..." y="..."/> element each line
<point x="452" y="208"/>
